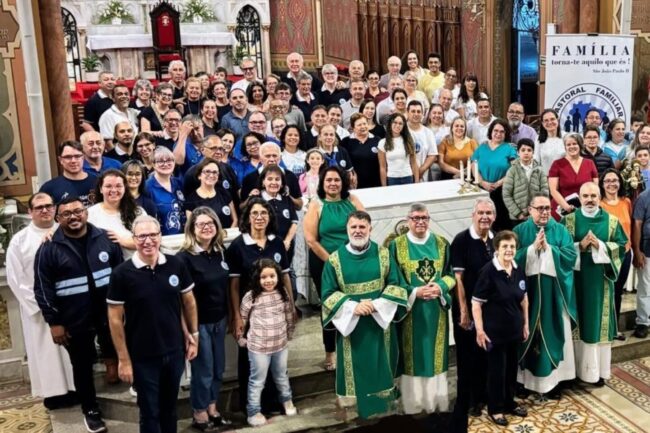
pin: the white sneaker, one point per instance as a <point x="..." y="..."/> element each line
<point x="133" y="392"/>
<point x="256" y="420"/>
<point x="289" y="408"/>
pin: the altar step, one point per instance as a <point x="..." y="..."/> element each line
<point x="311" y="384"/>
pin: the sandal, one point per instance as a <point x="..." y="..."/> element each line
<point x="519" y="411"/>
<point x="500" y="421"/>
<point x="330" y="366"/>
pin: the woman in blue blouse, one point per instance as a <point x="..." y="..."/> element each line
<point x="166" y="191"/>
<point x="493" y="159"/>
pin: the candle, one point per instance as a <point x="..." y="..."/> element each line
<point x="476" y="173"/>
<point x="469" y="172"/>
<point x="462" y="172"/>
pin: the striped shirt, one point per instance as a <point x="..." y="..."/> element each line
<point x="271" y="321"/>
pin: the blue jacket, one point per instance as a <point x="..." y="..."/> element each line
<point x="61" y="285"/>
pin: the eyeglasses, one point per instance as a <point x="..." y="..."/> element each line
<point x="259" y="214"/>
<point x="250" y="68"/>
<point x="541" y="209"/>
<point x="134" y="174"/>
<point x="144" y="144"/>
<point x="610" y="181"/>
<point x="420" y="219"/>
<point x="164" y="161"/>
<point x="277" y="107"/>
<point x="257" y="122"/>
<point x="142" y="238"/>
<point x="43" y="207"/>
<point x="69" y="158"/>
<point x="210" y="172"/>
<point x="172" y="120"/>
<point x="205" y="225"/>
<point x="76" y="212"/>
<point x="252" y="143"/>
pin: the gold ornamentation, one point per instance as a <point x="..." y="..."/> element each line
<point x="407" y="339"/>
<point x="348" y="368"/>
<point x="440" y="345"/>
<point x="604" y="318"/>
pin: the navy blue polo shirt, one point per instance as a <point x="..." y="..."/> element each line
<point x="468" y="256"/>
<point x="243" y="252"/>
<point x="106" y="164"/>
<point x="169" y="205"/>
<point x="500" y="295"/>
<point x="209" y="271"/>
<point x="219" y="204"/>
<point x="152" y="304"/>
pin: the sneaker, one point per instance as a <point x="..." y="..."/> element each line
<point x="256" y="420"/>
<point x="289" y="408"/>
<point x="205" y="426"/>
<point x="94" y="422"/>
<point x="641" y="331"/>
<point x="219" y="420"/>
<point x="133" y="391"/>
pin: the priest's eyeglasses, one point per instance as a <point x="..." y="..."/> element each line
<point x="542" y="209"/>
<point x="419" y="219"/>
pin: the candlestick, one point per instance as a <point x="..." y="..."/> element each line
<point x="462" y="173"/>
<point x="476" y="173"/>
<point x="469" y="170"/>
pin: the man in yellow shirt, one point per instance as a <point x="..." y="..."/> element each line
<point x="435" y="79"/>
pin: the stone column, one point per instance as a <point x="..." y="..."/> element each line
<point x="570" y="17"/>
<point x="56" y="71"/>
<point x="588" y="16"/>
<point x="266" y="48"/>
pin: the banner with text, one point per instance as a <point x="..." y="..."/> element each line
<point x="584" y="72"/>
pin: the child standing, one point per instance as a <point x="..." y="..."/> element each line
<point x="267" y="314"/>
<point x="309" y="179"/>
<point x="642" y="154"/>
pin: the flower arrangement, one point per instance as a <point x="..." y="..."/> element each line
<point x="115" y="10"/>
<point x="197" y="11"/>
<point x="632" y="178"/>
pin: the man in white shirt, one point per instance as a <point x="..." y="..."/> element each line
<point x="394" y="65"/>
<point x="118" y="112"/>
<point x="445" y="98"/>
<point x="248" y="67"/>
<point x="477" y="128"/>
<point x="50" y="371"/>
<point x="386" y="107"/>
<point x="351" y="106"/>
<point x="426" y="149"/>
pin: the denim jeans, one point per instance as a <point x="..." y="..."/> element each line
<point x="399" y="180"/>
<point x="260" y="364"/>
<point x="157" y="380"/>
<point x="208" y="366"/>
<point x="643" y="295"/>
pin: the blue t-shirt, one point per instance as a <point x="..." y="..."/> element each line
<point x="169" y="205"/>
<point x="642" y="213"/>
<point x="61" y="187"/>
<point x="493" y="164"/>
<point x="107" y="163"/>
<point x="192" y="156"/>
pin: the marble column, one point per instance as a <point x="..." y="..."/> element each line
<point x="266" y="48"/>
<point x="570" y="17"/>
<point x="56" y="71"/>
<point x="588" y="16"/>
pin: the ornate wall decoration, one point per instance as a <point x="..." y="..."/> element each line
<point x="293" y="28"/>
<point x="340" y="36"/>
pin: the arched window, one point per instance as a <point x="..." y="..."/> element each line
<point x="71" y="42"/>
<point x="525" y="46"/>
<point x="248" y="33"/>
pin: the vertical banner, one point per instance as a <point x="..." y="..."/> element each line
<point x="584" y="72"/>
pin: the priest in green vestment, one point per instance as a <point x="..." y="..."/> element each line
<point x="547" y="255"/>
<point x="362" y="299"/>
<point x="600" y="240"/>
<point x="425" y="266"/>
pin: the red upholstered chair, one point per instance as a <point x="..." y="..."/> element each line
<point x="166" y="36"/>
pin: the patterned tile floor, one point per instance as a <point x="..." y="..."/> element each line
<point x="623" y="406"/>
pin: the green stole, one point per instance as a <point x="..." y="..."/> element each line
<point x="366" y="360"/>
<point x="424" y="332"/>
<point x="548" y="298"/>
<point x="594" y="282"/>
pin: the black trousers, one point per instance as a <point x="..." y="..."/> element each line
<point x="620" y="282"/>
<point x="471" y="374"/>
<point x="269" y="400"/>
<point x="502" y="221"/>
<point x="502" y="376"/>
<point x="81" y="349"/>
<point x="316" y="271"/>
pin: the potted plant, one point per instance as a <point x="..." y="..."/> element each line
<point x="91" y="65"/>
<point x="236" y="55"/>
<point x="115" y="13"/>
<point x="197" y="11"/>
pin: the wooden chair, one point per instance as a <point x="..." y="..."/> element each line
<point x="166" y="36"/>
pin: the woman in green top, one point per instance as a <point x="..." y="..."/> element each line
<point x="325" y="232"/>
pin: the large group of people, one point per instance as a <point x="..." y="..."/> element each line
<point x="534" y="284"/>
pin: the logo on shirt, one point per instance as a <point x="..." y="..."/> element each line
<point x="343" y="163"/>
<point x="225" y="266"/>
<point x="180" y="195"/>
<point x="417" y="147"/>
<point x="374" y="149"/>
<point x="103" y="256"/>
<point x="277" y="257"/>
<point x="226" y="184"/>
<point x="173" y="280"/>
<point x="522" y="285"/>
<point x="285" y="213"/>
<point x="225" y="210"/>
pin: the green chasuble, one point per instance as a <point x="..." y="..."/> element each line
<point x="366" y="360"/>
<point x="594" y="282"/>
<point x="548" y="298"/>
<point x="424" y="332"/>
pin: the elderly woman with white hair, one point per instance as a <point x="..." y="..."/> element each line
<point x="411" y="81"/>
<point x="332" y="91"/>
<point x="142" y="91"/>
<point x="166" y="191"/>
